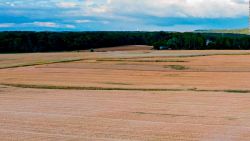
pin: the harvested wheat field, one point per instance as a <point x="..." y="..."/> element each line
<point x="139" y="95"/>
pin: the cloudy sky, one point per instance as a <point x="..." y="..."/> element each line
<point x="132" y="15"/>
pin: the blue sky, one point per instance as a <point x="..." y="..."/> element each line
<point x="122" y="15"/>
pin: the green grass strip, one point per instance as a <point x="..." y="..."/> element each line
<point x="42" y="63"/>
<point x="115" y="89"/>
<point x="84" y="88"/>
<point x="176" y="67"/>
<point x="142" y="61"/>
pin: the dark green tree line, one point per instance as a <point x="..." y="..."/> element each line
<point x="71" y="41"/>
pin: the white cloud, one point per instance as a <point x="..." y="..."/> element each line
<point x="122" y="14"/>
<point x="66" y="4"/>
<point x="4" y="25"/>
<point x="45" y="24"/>
<point x="69" y="26"/>
<point x="83" y="21"/>
<point x="171" y="8"/>
<point x="158" y="8"/>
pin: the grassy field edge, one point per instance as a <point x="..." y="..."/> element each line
<point x="115" y="89"/>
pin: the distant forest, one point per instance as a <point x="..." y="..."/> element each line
<point x="15" y="42"/>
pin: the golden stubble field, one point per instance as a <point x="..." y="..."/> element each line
<point x="126" y="95"/>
